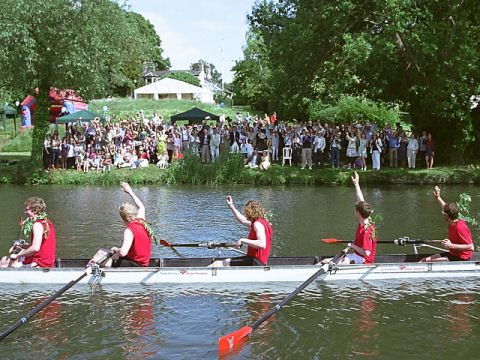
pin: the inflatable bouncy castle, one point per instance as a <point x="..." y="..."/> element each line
<point x="67" y="99"/>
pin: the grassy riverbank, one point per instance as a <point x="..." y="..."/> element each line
<point x="229" y="170"/>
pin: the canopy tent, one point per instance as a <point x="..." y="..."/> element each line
<point x="83" y="115"/>
<point x="194" y="116"/>
<point x="168" y="88"/>
<point x="7" y="110"/>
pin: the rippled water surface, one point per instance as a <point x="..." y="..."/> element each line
<point x="383" y="319"/>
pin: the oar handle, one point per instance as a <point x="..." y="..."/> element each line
<point x="404" y="241"/>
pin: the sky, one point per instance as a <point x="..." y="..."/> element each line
<point x="192" y="30"/>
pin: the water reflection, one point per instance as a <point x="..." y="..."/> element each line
<point x="365" y="342"/>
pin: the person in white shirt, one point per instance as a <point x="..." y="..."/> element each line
<point x="412" y="149"/>
<point x="215" y="145"/>
<point x="318" y="149"/>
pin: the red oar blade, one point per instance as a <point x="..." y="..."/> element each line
<point x="227" y="342"/>
<point x="331" y="240"/>
<point x="164" y="242"/>
<point x="21" y="222"/>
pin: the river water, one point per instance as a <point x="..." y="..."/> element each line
<point x="383" y="319"/>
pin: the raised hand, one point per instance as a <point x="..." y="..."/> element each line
<point x="356" y="179"/>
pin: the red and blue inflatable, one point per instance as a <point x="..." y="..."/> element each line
<point x="59" y="99"/>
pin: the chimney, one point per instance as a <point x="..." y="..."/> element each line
<point x="208" y="75"/>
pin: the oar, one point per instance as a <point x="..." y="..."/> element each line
<point x="227" y="342"/>
<point x="208" y="245"/>
<point x="400" y="241"/>
<point x="40" y="307"/>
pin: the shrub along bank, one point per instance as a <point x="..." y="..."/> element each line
<point x="230" y="170"/>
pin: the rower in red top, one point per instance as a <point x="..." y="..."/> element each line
<point x="259" y="239"/>
<point x="41" y="250"/>
<point x="136" y="247"/>
<point x="365" y="243"/>
<point x="459" y="242"/>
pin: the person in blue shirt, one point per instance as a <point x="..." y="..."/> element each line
<point x="394" y="144"/>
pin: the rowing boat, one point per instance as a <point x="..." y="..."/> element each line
<point x="278" y="269"/>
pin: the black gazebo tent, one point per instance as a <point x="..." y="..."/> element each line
<point x="194" y="116"/>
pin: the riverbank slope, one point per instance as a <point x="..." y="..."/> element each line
<point x="229" y="170"/>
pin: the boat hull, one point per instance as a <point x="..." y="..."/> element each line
<point x="275" y="273"/>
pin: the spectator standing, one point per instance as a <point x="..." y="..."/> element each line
<point x="351" y="149"/>
<point x="335" y="148"/>
<point x="362" y="150"/>
<point x="307" y="141"/>
<point x="412" y="149"/>
<point x="318" y="149"/>
<point x="429" y="151"/>
<point x="422" y="146"/>
<point x="204" y="143"/>
<point x="376" y="150"/>
<point x="215" y="144"/>
<point x="393" y="143"/>
<point x="402" y="150"/>
<point x="47" y="152"/>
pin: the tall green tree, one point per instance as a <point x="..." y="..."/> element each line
<point x="85" y="45"/>
<point x="421" y="55"/>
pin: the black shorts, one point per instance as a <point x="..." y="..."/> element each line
<point x="246" y="260"/>
<point x="453" y="257"/>
<point x="125" y="262"/>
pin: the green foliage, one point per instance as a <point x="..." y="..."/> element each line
<point x="304" y="56"/>
<point x="464" y="209"/>
<point x="92" y="46"/>
<point x="184" y="76"/>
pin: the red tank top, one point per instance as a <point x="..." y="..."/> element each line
<point x="260" y="254"/>
<point x="45" y="257"/>
<point x="141" y="248"/>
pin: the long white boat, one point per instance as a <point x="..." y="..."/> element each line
<point x="278" y="269"/>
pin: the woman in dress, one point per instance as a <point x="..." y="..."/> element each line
<point x="362" y="151"/>
<point x="351" y="149"/>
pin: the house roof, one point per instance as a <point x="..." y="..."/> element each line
<point x="151" y="73"/>
<point x="170" y="86"/>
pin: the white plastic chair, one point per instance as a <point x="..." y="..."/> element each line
<point x="287" y="155"/>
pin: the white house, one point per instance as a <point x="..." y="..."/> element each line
<point x="168" y="88"/>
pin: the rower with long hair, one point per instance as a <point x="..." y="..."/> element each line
<point x="41" y="250"/>
<point x="259" y="238"/>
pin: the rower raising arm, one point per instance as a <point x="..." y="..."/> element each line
<point x="259" y="238"/>
<point x="238" y="215"/>
<point x="459" y="243"/>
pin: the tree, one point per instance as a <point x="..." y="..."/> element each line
<point x="184" y="76"/>
<point x="84" y="45"/>
<point x="420" y="55"/>
<point x="216" y="76"/>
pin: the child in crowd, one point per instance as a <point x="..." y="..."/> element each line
<point x="163" y="160"/>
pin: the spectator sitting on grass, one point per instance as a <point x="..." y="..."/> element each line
<point x="265" y="160"/>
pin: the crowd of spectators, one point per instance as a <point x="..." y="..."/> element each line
<point x="140" y="141"/>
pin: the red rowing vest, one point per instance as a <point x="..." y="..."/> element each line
<point x="141" y="248"/>
<point x="261" y="254"/>
<point x="45" y="257"/>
